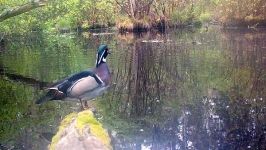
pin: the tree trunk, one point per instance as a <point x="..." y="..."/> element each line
<point x="20" y="10"/>
<point x="132" y="4"/>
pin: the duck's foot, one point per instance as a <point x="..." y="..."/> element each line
<point x="86" y="104"/>
<point x="82" y="107"/>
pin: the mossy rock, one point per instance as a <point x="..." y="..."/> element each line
<point x="80" y="131"/>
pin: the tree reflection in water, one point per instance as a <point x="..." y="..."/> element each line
<point x="209" y="95"/>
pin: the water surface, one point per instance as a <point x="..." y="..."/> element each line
<point x="183" y="89"/>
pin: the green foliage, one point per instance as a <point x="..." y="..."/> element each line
<point x="183" y="17"/>
<point x="66" y="15"/>
<point x="16" y="107"/>
<point x="59" y="14"/>
<point x="9" y="109"/>
<point x="189" y="12"/>
<point x="241" y="13"/>
<point x="20" y="116"/>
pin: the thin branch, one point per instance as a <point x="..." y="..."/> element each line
<point x="122" y="6"/>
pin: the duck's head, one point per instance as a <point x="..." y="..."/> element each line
<point x="103" y="52"/>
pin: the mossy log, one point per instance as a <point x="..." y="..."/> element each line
<point x="80" y="131"/>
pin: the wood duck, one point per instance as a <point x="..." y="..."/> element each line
<point x="84" y="85"/>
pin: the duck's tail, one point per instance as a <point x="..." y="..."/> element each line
<point x="52" y="94"/>
<point x="45" y="98"/>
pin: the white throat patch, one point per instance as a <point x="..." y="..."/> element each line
<point x="101" y="58"/>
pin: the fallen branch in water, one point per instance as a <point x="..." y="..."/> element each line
<point x="23" y="79"/>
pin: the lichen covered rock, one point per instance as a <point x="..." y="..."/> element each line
<point x="80" y="131"/>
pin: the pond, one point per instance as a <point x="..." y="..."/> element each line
<point x="182" y="89"/>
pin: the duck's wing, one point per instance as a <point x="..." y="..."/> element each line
<point x="85" y="80"/>
<point x="83" y="83"/>
<point x="72" y="86"/>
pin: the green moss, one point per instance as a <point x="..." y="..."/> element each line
<point x="86" y="118"/>
<point x="67" y="120"/>
<point x="82" y="120"/>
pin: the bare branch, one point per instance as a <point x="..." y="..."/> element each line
<point x="124" y="7"/>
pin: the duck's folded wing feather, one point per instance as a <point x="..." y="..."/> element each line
<point x="80" y="83"/>
<point x="83" y="86"/>
<point x="64" y="85"/>
<point x="73" y="86"/>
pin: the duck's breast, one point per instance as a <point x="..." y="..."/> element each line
<point x="103" y="72"/>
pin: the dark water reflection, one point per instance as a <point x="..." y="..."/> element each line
<point x="180" y="90"/>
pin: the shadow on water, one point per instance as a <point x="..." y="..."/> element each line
<point x="185" y="89"/>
